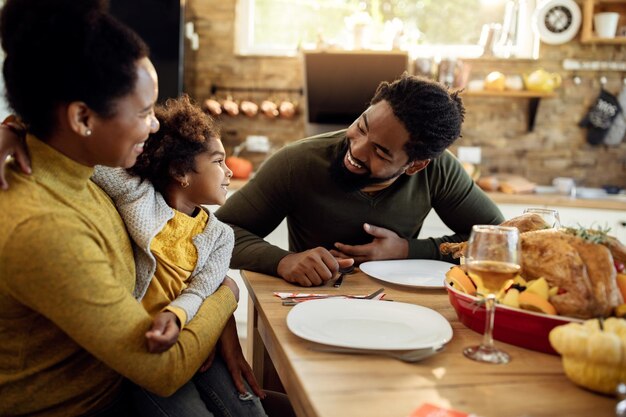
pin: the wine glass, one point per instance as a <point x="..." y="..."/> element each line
<point x="493" y="259"/>
<point x="550" y="216"/>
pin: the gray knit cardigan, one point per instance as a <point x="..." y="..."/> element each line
<point x="145" y="213"/>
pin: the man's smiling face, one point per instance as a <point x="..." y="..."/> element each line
<point x="373" y="155"/>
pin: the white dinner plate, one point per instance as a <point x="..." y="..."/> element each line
<point x="369" y="324"/>
<point x="421" y="273"/>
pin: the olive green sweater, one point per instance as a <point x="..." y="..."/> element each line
<point x="295" y="183"/>
<point x="69" y="325"/>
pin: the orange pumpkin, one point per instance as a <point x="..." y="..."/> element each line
<point x="241" y="167"/>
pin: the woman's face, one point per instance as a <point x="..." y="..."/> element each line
<point x="209" y="183"/>
<point x="117" y="141"/>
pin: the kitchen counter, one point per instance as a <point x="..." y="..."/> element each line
<point x="611" y="202"/>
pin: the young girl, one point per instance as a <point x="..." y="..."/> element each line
<point x="182" y="253"/>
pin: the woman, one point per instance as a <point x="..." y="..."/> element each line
<point x="68" y="321"/>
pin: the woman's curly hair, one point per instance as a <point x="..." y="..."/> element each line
<point x="431" y="114"/>
<point x="186" y="131"/>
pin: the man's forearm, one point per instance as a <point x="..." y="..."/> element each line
<point x="254" y="253"/>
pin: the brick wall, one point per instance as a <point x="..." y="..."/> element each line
<point x="555" y="147"/>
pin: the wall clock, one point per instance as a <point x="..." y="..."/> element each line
<point x="557" y="21"/>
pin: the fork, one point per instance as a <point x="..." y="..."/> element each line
<point x="415" y="355"/>
<point x="293" y="302"/>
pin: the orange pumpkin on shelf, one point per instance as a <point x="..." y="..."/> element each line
<point x="241" y="167"/>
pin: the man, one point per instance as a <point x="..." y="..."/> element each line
<point x="363" y="193"/>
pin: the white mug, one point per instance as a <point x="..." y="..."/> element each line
<point x="564" y="185"/>
<point x="606" y="24"/>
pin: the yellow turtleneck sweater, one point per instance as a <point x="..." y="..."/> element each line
<point x="69" y="325"/>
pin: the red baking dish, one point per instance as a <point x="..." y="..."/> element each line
<point x="517" y="327"/>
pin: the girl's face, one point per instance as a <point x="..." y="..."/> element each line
<point x="209" y="183"/>
<point x="117" y="141"/>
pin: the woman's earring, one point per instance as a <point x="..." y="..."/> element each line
<point x="184" y="184"/>
<point x="88" y="132"/>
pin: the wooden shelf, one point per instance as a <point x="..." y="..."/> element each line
<point x="591" y="7"/>
<point x="532" y="96"/>
<point x="618" y="40"/>
<point x="510" y="94"/>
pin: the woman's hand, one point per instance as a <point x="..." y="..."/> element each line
<point x="164" y="332"/>
<point x="12" y="135"/>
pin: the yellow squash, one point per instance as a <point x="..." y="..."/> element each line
<point x="594" y="358"/>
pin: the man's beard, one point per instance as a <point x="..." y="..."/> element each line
<point x="349" y="181"/>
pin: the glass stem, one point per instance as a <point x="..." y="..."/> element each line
<point x="490" y="306"/>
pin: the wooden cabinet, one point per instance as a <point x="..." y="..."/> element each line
<point x="592" y="7"/>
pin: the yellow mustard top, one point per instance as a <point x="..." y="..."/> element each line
<point x="176" y="258"/>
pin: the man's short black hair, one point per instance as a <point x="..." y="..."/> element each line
<point x="431" y="114"/>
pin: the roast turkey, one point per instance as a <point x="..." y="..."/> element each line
<point x="582" y="269"/>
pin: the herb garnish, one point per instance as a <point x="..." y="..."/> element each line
<point x="598" y="235"/>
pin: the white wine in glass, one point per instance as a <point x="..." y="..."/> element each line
<point x="493" y="258"/>
<point x="550" y="216"/>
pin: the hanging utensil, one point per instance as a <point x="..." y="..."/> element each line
<point x="230" y="106"/>
<point x="249" y="108"/>
<point x="213" y="106"/>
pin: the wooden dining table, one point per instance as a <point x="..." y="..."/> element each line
<point x="323" y="384"/>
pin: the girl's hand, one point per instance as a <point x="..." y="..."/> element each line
<point x="164" y="332"/>
<point x="209" y="361"/>
<point x="239" y="369"/>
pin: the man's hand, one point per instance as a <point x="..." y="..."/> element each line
<point x="230" y="350"/>
<point x="230" y="283"/>
<point x="386" y="245"/>
<point x="12" y="144"/>
<point x="164" y="332"/>
<point x="311" y="267"/>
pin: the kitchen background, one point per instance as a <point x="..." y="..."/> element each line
<point x="556" y="146"/>
<point x="499" y="124"/>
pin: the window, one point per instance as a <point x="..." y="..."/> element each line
<point x="432" y="27"/>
